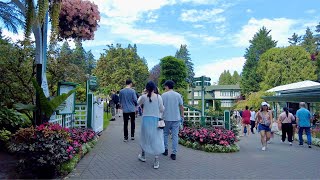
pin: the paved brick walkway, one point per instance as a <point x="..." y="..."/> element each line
<point x="114" y="159"/>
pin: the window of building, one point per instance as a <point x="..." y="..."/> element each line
<point x="226" y="103"/>
<point x="196" y="93"/>
<point x="196" y="102"/>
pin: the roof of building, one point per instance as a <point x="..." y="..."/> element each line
<point x="218" y="87"/>
<point x="292" y="86"/>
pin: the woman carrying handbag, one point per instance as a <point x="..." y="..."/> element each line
<point x="151" y="138"/>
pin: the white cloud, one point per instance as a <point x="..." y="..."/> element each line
<point x="211" y="15"/>
<point x="120" y="17"/>
<point x="200" y="2"/>
<point x="310" y="11"/>
<point x="204" y="37"/>
<point x="281" y="29"/>
<point x="215" y="68"/>
<point x="152" y="17"/>
<point x="249" y="10"/>
<point x="198" y="26"/>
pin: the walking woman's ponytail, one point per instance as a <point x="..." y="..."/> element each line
<point x="150" y="87"/>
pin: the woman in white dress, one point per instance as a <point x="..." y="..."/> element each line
<point x="151" y="138"/>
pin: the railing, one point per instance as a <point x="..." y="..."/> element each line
<point x="194" y="115"/>
<point x="79" y="119"/>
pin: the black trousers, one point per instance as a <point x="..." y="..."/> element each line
<point x="287" y="130"/>
<point x="253" y="124"/>
<point x="126" y="117"/>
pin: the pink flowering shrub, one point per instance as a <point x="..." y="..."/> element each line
<point x="78" y="19"/>
<point x="82" y="135"/>
<point x="47" y="146"/>
<point x="203" y="136"/>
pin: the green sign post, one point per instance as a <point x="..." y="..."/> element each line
<point x="202" y="80"/>
<point x="227" y="124"/>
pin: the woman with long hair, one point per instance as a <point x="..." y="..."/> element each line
<point x="151" y="138"/>
<point x="286" y="118"/>
<point x="265" y="121"/>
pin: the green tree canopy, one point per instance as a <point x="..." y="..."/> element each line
<point x="173" y="69"/>
<point x="117" y="65"/>
<point x="280" y="66"/>
<point x="294" y="40"/>
<point x="225" y="78"/>
<point x="183" y="53"/>
<point x="260" y="43"/>
<point x="309" y="42"/>
<point x="236" y="77"/>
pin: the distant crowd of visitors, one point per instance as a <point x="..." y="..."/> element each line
<point x="262" y="120"/>
<point x="162" y="115"/>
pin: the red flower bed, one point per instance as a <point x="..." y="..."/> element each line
<point x="214" y="136"/>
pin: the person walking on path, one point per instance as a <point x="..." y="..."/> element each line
<point x="286" y="118"/>
<point x="128" y="101"/>
<point x="151" y="138"/>
<point x="246" y="120"/>
<point x="252" y="119"/>
<point x="172" y="115"/>
<point x="304" y="123"/>
<point x="118" y="105"/>
<point x="265" y="121"/>
<point x="113" y="103"/>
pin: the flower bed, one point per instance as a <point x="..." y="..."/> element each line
<point x="43" y="150"/>
<point x="209" y="139"/>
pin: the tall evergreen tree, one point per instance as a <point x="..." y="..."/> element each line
<point x="318" y="36"/>
<point x="260" y="43"/>
<point x="225" y="78"/>
<point x="155" y="74"/>
<point x="183" y="53"/>
<point x="91" y="62"/>
<point x="79" y="55"/>
<point x="294" y="40"/>
<point x="236" y="77"/>
<point x="309" y="42"/>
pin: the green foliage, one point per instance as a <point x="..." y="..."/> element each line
<point x="16" y="70"/>
<point x="5" y="136"/>
<point x="225" y="78"/>
<point x="66" y="64"/>
<point x="106" y="119"/>
<point x="252" y="100"/>
<point x="217" y="105"/>
<point x="183" y="53"/>
<point x="49" y="106"/>
<point x="117" y="65"/>
<point x="280" y="66"/>
<point x="309" y="42"/>
<point x="68" y="166"/>
<point x="261" y="42"/>
<point x="12" y="120"/>
<point x="43" y="148"/>
<point x="173" y="69"/>
<point x="294" y="40"/>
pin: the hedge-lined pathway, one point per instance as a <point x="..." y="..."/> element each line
<point x="112" y="158"/>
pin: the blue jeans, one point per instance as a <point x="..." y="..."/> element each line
<point x="172" y="126"/>
<point x="307" y="130"/>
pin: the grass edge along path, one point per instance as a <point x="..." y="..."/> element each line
<point x="106" y="120"/>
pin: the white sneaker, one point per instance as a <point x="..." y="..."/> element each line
<point x="263" y="148"/>
<point x="290" y="143"/>
<point x="269" y="142"/>
<point x="156" y="164"/>
<point x="142" y="158"/>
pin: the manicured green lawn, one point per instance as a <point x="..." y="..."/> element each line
<point x="106" y="119"/>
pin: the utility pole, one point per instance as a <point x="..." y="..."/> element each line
<point x="202" y="80"/>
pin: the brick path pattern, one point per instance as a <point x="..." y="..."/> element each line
<point x="114" y="159"/>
